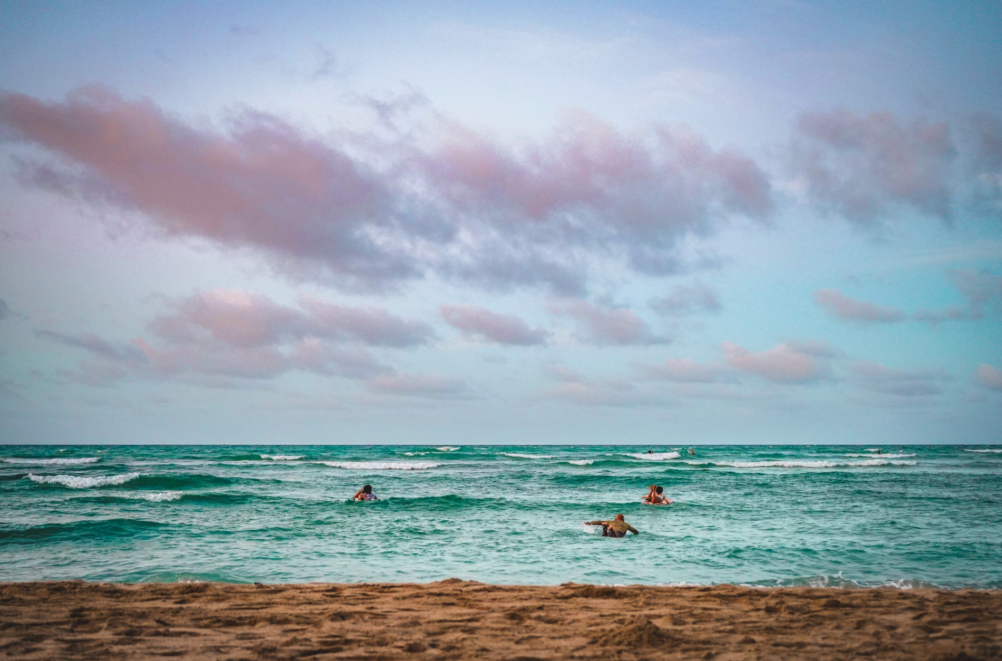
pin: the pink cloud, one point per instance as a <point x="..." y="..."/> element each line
<point x="235" y="334"/>
<point x="783" y="363"/>
<point x="844" y="308"/>
<point x="459" y="204"/>
<point x="606" y="325"/>
<point x="591" y="183"/>
<point x="245" y="319"/>
<point x="265" y="186"/>
<point x="989" y="377"/>
<point x="369" y="325"/>
<point x="867" y="166"/>
<point x="491" y="326"/>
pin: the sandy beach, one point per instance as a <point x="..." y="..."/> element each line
<point x="456" y="619"/>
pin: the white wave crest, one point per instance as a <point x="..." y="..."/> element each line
<point x="517" y="455"/>
<point x="415" y="454"/>
<point x="81" y="482"/>
<point x="52" y="462"/>
<point x="882" y="456"/>
<point x="154" y="496"/>
<point x="982" y="451"/>
<point x="447" y="448"/>
<point x="654" y="456"/>
<point x="872" y="449"/>
<point x="802" y="464"/>
<point x="582" y="462"/>
<point x="382" y="465"/>
<point x="282" y="457"/>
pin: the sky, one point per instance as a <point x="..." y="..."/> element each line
<point x="457" y="223"/>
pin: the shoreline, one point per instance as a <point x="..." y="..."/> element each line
<point x="456" y="619"/>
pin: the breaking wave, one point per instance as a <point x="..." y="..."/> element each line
<point x="82" y="482"/>
<point x="654" y="456"/>
<point x="517" y="455"/>
<point x="382" y="465"/>
<point x="51" y="462"/>
<point x="154" y="496"/>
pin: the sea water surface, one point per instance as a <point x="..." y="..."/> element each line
<point x="809" y="515"/>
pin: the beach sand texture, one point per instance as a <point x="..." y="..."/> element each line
<point x="456" y="619"/>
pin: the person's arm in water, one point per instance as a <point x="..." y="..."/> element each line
<point x="597" y="523"/>
<point x="632" y="529"/>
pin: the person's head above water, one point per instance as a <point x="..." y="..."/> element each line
<point x="367" y="488"/>
<point x="620" y="517"/>
<point x="659" y="490"/>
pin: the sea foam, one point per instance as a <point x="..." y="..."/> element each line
<point x="582" y="462"/>
<point x="52" y="462"/>
<point x="992" y="451"/>
<point x="518" y="455"/>
<point x="82" y="482"/>
<point x="447" y="448"/>
<point x="154" y="496"/>
<point x="382" y="465"/>
<point x="282" y="457"/>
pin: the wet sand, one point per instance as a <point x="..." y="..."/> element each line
<point x="465" y="620"/>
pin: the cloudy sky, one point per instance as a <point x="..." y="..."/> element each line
<point x="663" y="223"/>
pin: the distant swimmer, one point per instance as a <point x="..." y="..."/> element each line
<point x="617" y="528"/>
<point x="650" y="452"/>
<point x="692" y="452"/>
<point x="656" y="496"/>
<point x="365" y="493"/>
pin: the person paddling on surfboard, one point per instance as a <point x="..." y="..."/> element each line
<point x="617" y="528"/>
<point x="365" y="493"/>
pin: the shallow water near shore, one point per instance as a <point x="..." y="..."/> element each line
<point x="805" y="515"/>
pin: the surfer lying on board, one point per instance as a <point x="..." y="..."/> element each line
<point x="656" y="496"/>
<point x="365" y="493"/>
<point x="617" y="528"/>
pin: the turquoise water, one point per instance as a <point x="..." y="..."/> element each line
<point x="752" y="515"/>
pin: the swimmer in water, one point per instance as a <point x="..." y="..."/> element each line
<point x="617" y="528"/>
<point x="656" y="496"/>
<point x="365" y="493"/>
<point x="650" y="452"/>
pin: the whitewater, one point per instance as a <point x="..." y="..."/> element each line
<point x="843" y="516"/>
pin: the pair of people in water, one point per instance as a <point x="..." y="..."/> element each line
<point x="656" y="496"/>
<point x="365" y="493"/>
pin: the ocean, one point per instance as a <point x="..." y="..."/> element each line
<point x="763" y="516"/>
